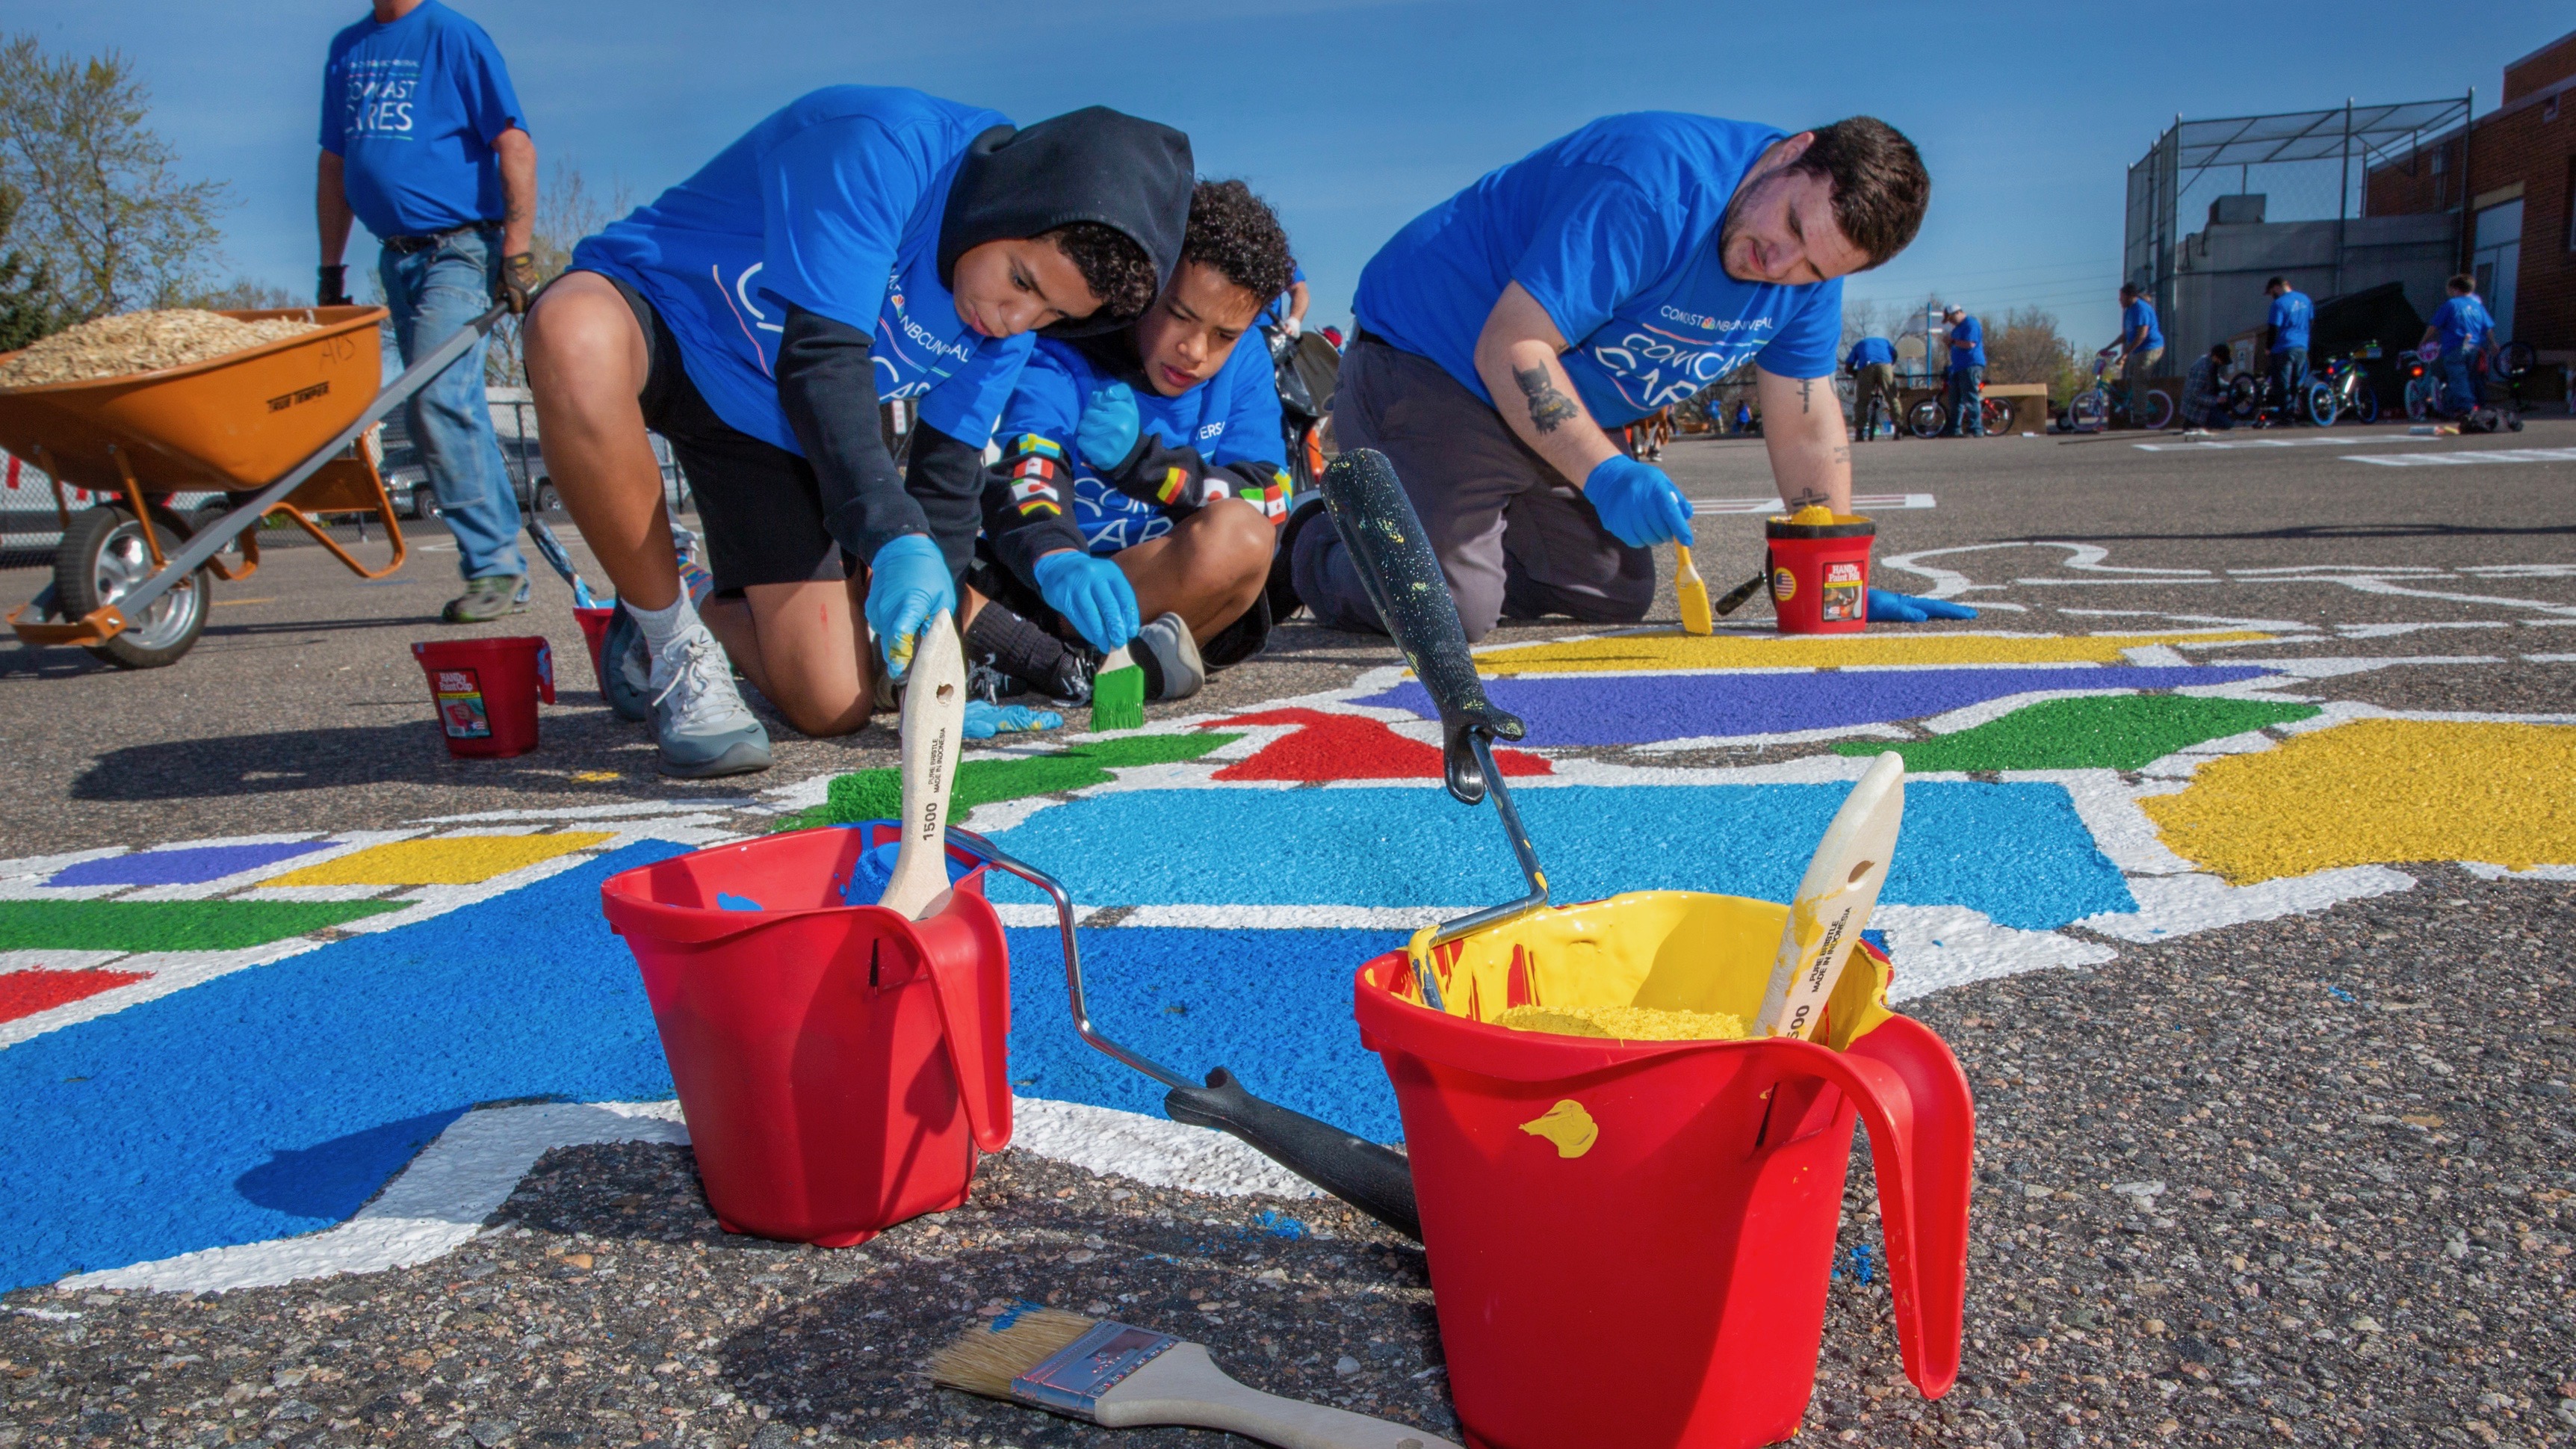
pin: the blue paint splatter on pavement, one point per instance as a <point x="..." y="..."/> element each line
<point x="2017" y="852"/>
<point x="1642" y="709"/>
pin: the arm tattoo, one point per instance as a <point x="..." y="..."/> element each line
<point x="1548" y="408"/>
<point x="1808" y="497"/>
<point x="1842" y="453"/>
<point x="1806" y="394"/>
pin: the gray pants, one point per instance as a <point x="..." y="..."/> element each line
<point x="1513" y="536"/>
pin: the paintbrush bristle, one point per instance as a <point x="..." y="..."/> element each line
<point x="988" y="1358"/>
<point x="1118" y="699"/>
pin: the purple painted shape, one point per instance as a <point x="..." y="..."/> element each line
<point x="186" y="865"/>
<point x="1642" y="709"/>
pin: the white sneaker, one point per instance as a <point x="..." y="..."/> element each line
<point x="699" y="719"/>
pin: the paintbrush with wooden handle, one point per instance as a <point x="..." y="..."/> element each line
<point x="934" y="730"/>
<point x="1120" y="1376"/>
<point x="1833" y="902"/>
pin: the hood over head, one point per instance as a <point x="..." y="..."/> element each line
<point x="1094" y="164"/>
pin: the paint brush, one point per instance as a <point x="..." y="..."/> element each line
<point x="1833" y="902"/>
<point x="1120" y="1376"/>
<point x="934" y="728"/>
<point x="1118" y="693"/>
<point x="1693" y="592"/>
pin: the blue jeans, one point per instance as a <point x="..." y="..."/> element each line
<point x="2289" y="375"/>
<point x="2459" y="390"/>
<point x="1967" y="393"/>
<point x="434" y="293"/>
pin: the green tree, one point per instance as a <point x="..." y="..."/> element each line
<point x="106" y="214"/>
<point x="26" y="312"/>
<point x="241" y="294"/>
<point x="2028" y="347"/>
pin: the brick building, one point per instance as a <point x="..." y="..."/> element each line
<point x="2515" y="170"/>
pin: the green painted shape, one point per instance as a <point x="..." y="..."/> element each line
<point x="170" y="925"/>
<point x="2111" y="732"/>
<point x="878" y="794"/>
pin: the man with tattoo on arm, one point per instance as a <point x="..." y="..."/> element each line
<point x="1610" y="273"/>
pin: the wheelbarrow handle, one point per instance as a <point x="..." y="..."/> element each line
<point x="206" y="542"/>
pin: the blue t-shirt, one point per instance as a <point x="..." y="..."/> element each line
<point x="1870" y="351"/>
<point x="832" y="204"/>
<point x="1232" y="417"/>
<point x="2463" y="323"/>
<point x="1615" y="231"/>
<point x="412" y="109"/>
<point x="2291" y="314"/>
<point x="2136" y="315"/>
<point x="1967" y="344"/>
<point x="1275" y="311"/>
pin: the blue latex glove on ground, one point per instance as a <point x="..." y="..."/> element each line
<point x="983" y="721"/>
<point x="908" y="581"/>
<point x="1637" y="503"/>
<point x="1091" y="594"/>
<point x="1895" y="608"/>
<point x="1107" y="432"/>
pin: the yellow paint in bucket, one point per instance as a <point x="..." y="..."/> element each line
<point x="1625" y="1023"/>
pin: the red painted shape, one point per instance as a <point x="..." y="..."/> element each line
<point x="1516" y="985"/>
<point x="24" y="993"/>
<point x="1349" y="747"/>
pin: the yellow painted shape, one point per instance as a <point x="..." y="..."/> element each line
<point x="1625" y="1023"/>
<point x="1568" y="1126"/>
<point x="2380" y="791"/>
<point x="1667" y="951"/>
<point x="1824" y="651"/>
<point x="458" y="860"/>
<point x="594" y="777"/>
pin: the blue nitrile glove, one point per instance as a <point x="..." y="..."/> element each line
<point x="1091" y="594"/>
<point x="983" y="720"/>
<point x="908" y="581"/>
<point x="1896" y="608"/>
<point x="1637" y="503"/>
<point x="1107" y="432"/>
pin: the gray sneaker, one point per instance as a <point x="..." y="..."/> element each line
<point x="1169" y="657"/>
<point x="487" y="599"/>
<point x="699" y="718"/>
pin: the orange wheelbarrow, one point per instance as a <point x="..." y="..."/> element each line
<point x="280" y="429"/>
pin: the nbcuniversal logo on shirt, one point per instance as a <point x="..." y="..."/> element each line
<point x="1714" y="324"/>
<point x="380" y="97"/>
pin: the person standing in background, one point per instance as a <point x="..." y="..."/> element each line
<point x="2141" y="344"/>
<point x="2291" y="315"/>
<point x="1873" y="368"/>
<point x="2466" y="331"/>
<point x="424" y="142"/>
<point x="1967" y="375"/>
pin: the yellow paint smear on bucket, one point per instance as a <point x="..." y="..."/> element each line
<point x="459" y="860"/>
<point x="1625" y="1023"/>
<point x="2380" y="792"/>
<point x="1813" y="651"/>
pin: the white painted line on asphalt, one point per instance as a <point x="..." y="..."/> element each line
<point x="2215" y="445"/>
<point x="1861" y="502"/>
<point x="2180" y="905"/>
<point x="2488" y="455"/>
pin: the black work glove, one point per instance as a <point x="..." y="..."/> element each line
<point x="333" y="290"/>
<point x="519" y="281"/>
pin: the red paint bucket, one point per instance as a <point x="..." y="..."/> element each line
<point x="1820" y="574"/>
<point x="839" y="1065"/>
<point x="486" y="692"/>
<point x="1630" y="1242"/>
<point x="594" y="632"/>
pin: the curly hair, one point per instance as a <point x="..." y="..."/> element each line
<point x="1237" y="233"/>
<point x="1113" y="266"/>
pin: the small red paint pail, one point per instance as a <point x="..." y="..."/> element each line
<point x="1653" y="1223"/>
<point x="839" y="1065"/>
<point x="594" y="632"/>
<point x="486" y="692"/>
<point x="1820" y="574"/>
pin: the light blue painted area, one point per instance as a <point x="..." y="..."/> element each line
<point x="2017" y="852"/>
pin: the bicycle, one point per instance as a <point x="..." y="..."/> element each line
<point x="2250" y="395"/>
<point x="2091" y="410"/>
<point x="2355" y="399"/>
<point x="2424" y="388"/>
<point x="1927" y="418"/>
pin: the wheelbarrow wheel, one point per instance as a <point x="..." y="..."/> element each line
<point x="103" y="558"/>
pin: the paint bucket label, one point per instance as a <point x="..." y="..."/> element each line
<point x="1784" y="586"/>
<point x="1841" y="600"/>
<point x="460" y="705"/>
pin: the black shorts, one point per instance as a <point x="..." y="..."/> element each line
<point x="761" y="510"/>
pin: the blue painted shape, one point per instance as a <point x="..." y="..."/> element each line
<point x="1273" y="1006"/>
<point x="271" y="1101"/>
<point x="2017" y="852"/>
<point x="727" y="900"/>
<point x="1565" y="709"/>
<point x="187" y="865"/>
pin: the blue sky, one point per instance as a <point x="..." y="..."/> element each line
<point x="1352" y="116"/>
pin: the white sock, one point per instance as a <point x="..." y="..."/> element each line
<point x="665" y="626"/>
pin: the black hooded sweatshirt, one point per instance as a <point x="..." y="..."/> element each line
<point x="1092" y="165"/>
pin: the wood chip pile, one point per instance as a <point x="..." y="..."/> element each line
<point x="141" y="342"/>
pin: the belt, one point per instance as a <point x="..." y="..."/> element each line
<point x="403" y="246"/>
<point x="1362" y="334"/>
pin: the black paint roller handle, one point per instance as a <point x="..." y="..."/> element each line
<point x="1369" y="1176"/>
<point x="1393" y="557"/>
